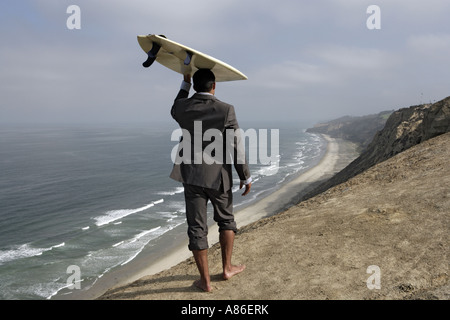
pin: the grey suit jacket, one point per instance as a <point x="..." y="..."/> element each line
<point x="213" y="114"/>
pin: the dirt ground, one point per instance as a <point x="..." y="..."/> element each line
<point x="388" y="226"/>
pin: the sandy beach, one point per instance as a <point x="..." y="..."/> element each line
<point x="338" y="154"/>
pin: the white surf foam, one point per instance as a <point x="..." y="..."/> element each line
<point x="24" y="251"/>
<point x="171" y="193"/>
<point x="114" y="215"/>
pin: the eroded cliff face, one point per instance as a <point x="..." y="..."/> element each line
<point x="406" y="128"/>
<point x="403" y="129"/>
<point x="437" y="120"/>
<point x="359" y="130"/>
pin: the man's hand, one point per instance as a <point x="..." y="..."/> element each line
<point x="187" y="78"/>
<point x="247" y="188"/>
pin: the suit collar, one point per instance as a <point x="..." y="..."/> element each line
<point x="204" y="96"/>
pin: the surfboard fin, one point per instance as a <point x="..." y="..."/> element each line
<point x="188" y="59"/>
<point x="151" y="55"/>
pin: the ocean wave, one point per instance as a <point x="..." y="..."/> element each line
<point x="143" y="240"/>
<point x="171" y="193"/>
<point x="144" y="233"/>
<point x="117" y="244"/>
<point x="269" y="170"/>
<point x="169" y="215"/>
<point x="115" y="215"/>
<point x="295" y="164"/>
<point x="24" y="251"/>
<point x="135" y="238"/>
<point x="177" y="206"/>
<point x="54" y="287"/>
<point x="108" y="258"/>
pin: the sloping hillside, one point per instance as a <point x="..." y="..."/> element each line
<point x="403" y="129"/>
<point x="393" y="216"/>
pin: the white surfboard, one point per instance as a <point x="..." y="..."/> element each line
<point x="183" y="59"/>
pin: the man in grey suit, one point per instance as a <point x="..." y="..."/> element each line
<point x="204" y="180"/>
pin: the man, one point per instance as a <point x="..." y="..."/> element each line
<point x="208" y="181"/>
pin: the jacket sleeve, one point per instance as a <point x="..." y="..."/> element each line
<point x="182" y="94"/>
<point x="237" y="142"/>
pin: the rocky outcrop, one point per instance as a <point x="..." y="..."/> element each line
<point x="403" y="129"/>
<point x="437" y="120"/>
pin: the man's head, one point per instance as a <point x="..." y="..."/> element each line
<point x="204" y="80"/>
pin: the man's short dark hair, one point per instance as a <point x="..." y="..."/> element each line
<point x="204" y="80"/>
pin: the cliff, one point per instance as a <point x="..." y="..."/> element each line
<point x="403" y="129"/>
<point x="359" y="130"/>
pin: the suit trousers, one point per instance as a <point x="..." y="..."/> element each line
<point x="196" y="199"/>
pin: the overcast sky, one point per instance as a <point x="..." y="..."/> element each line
<point x="305" y="60"/>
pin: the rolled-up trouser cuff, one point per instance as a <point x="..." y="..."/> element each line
<point x="198" y="244"/>
<point x="227" y="225"/>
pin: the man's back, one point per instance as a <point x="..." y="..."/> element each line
<point x="196" y="115"/>
<point x="213" y="113"/>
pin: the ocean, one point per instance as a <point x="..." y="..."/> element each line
<point x="77" y="201"/>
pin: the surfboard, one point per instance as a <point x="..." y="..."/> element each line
<point x="183" y="59"/>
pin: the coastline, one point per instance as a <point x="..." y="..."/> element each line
<point x="339" y="153"/>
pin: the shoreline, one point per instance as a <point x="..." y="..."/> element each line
<point x="339" y="153"/>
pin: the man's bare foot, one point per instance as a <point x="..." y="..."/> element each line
<point x="199" y="284"/>
<point x="234" y="270"/>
